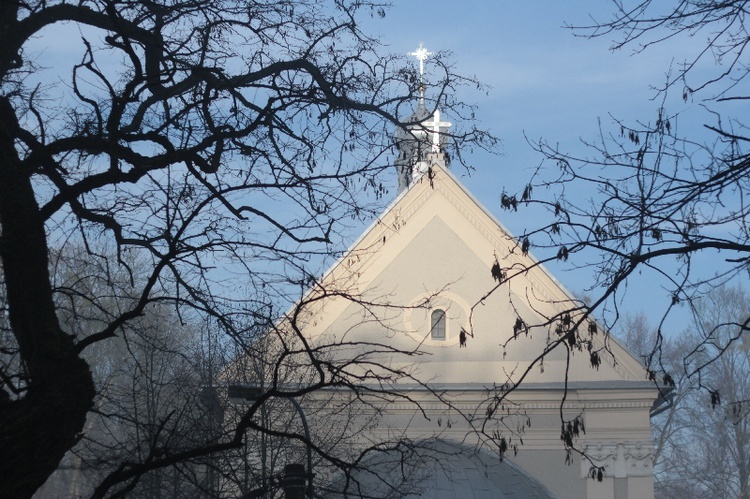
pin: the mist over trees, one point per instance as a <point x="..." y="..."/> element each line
<point x="711" y="442"/>
<point x="701" y="448"/>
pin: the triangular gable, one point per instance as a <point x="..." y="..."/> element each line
<point x="434" y="247"/>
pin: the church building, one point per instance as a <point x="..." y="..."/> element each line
<point x="495" y="384"/>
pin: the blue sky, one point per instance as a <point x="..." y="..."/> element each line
<point x="545" y="83"/>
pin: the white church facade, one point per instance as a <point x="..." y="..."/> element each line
<point x="430" y="257"/>
<point x="482" y="369"/>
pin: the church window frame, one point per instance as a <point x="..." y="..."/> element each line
<point x="438" y="325"/>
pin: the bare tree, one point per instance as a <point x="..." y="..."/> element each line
<point x="702" y="448"/>
<point x="220" y="144"/>
<point x="657" y="200"/>
<point x="645" y="202"/>
<point x="671" y="420"/>
<point x="151" y="383"/>
<point x="707" y="445"/>
<point x="652" y="201"/>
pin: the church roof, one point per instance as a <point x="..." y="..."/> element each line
<point x="446" y="470"/>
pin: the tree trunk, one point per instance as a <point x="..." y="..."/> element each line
<point x="40" y="425"/>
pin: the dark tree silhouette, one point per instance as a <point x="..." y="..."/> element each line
<point x="220" y="144"/>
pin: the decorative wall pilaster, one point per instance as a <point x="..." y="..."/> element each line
<point x="639" y="458"/>
<point x="619" y="459"/>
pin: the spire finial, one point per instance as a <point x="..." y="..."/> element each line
<point x="421" y="54"/>
<point x="421" y="139"/>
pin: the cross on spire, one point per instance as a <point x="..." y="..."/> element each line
<point x="437" y="127"/>
<point x="420" y="141"/>
<point x="421" y="54"/>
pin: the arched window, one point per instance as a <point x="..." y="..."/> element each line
<point x="437" y="324"/>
